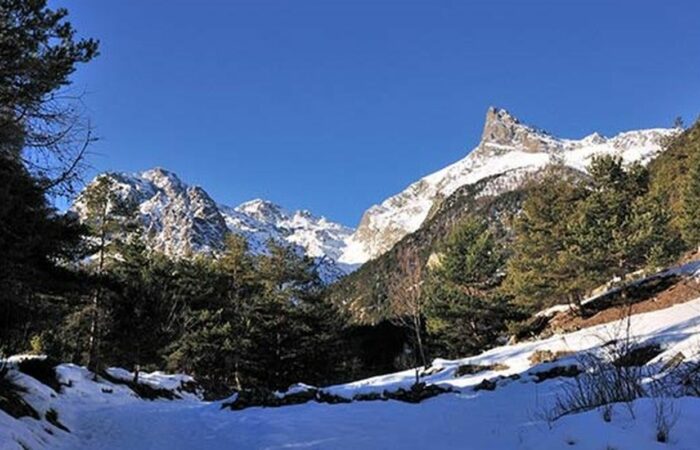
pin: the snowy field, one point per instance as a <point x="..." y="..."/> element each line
<point x="106" y="416"/>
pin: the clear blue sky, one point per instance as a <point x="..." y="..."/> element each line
<point x="334" y="105"/>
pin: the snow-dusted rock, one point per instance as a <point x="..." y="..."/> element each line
<point x="181" y="220"/>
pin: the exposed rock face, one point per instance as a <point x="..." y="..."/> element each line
<point x="181" y="220"/>
<point x="506" y="144"/>
<point x="502" y="132"/>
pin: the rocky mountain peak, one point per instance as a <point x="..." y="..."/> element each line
<point x="508" y="149"/>
<point x="263" y="210"/>
<point x="181" y="220"/>
<point x="503" y="132"/>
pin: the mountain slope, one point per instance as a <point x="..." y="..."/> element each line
<point x="506" y="144"/>
<point x="181" y="220"/>
<point x="496" y="199"/>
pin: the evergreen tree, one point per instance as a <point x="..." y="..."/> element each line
<point x="539" y="272"/>
<point x="690" y="205"/>
<point x="109" y="218"/>
<point x="464" y="315"/>
<point x="39" y="52"/>
<point x="621" y="227"/>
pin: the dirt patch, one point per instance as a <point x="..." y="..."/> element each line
<point x="545" y="356"/>
<point x="675" y="290"/>
<point x="471" y="369"/>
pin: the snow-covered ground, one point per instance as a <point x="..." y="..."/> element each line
<point x="509" y="417"/>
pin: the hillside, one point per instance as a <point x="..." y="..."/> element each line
<point x="496" y="199"/>
<point x="504" y="398"/>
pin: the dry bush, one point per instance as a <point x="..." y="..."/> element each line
<point x="545" y="356"/>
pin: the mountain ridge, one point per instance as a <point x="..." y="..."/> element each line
<point x="506" y="144"/>
<point x="180" y="219"/>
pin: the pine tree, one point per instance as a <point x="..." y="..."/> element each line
<point x="690" y="205"/>
<point x="39" y="53"/>
<point x="109" y="218"/>
<point x="539" y="272"/>
<point x="464" y="314"/>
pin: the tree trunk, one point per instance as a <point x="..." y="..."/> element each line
<point x="93" y="362"/>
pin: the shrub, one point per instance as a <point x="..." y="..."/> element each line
<point x="569" y="371"/>
<point x="666" y="416"/>
<point x="600" y="383"/>
<point x="41" y="369"/>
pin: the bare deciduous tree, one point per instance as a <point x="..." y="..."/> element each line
<point x="407" y="301"/>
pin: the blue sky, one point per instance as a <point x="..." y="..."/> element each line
<point x="332" y="105"/>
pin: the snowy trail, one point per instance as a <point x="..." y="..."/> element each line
<point x="452" y="420"/>
<point x="505" y="419"/>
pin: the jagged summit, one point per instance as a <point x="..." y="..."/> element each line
<point x="263" y="210"/>
<point x="179" y="220"/>
<point x="508" y="149"/>
<point x="503" y="132"/>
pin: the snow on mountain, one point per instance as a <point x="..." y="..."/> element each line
<point x="181" y="220"/>
<point x="506" y="144"/>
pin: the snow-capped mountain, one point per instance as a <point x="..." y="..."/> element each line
<point x="181" y="220"/>
<point x="506" y="144"/>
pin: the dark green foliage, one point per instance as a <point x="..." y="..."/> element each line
<point x="670" y="170"/>
<point x="470" y="257"/>
<point x="39" y="52"/>
<point x="538" y="274"/>
<point x="571" y="238"/>
<point x="33" y="238"/>
<point x="689" y="218"/>
<point x="41" y="369"/>
<point x="264" y="324"/>
<point x="365" y="293"/>
<point x="464" y="316"/>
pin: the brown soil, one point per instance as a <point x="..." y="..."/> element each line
<point x="684" y="290"/>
